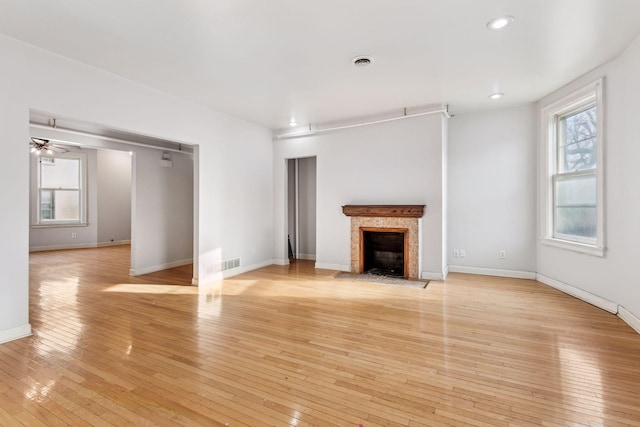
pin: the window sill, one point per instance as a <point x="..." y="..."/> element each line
<point x="60" y="225"/>
<point x="575" y="247"/>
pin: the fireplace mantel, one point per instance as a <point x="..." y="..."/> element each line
<point x="385" y="211"/>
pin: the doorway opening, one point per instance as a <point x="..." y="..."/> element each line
<point x="301" y="208"/>
<point x="140" y="190"/>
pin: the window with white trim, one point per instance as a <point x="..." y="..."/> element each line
<point x="60" y="190"/>
<point x="573" y="216"/>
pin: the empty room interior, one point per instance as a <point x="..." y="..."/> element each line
<point x="337" y="213"/>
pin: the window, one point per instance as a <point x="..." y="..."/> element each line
<point x="60" y="195"/>
<point x="573" y="216"/>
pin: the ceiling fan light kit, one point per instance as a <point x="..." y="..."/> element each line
<point x="41" y="146"/>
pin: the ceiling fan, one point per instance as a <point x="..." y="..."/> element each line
<point x="41" y="146"/>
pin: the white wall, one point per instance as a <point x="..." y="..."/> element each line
<point x="391" y="163"/>
<point x="162" y="233"/>
<point x="61" y="237"/>
<point x="492" y="186"/>
<point x="614" y="277"/>
<point x="234" y="181"/>
<point x="307" y="207"/>
<point x="114" y="196"/>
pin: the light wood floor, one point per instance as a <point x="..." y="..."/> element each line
<point x="294" y="346"/>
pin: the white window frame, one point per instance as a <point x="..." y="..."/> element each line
<point x="37" y="221"/>
<point x="590" y="94"/>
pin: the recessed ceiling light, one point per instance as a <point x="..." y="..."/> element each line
<point x="496" y="95"/>
<point x="362" y="60"/>
<point x="293" y="123"/>
<point x="500" y="23"/>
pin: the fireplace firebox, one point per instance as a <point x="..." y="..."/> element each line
<point x="384" y="251"/>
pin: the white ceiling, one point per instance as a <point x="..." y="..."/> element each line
<point x="268" y="61"/>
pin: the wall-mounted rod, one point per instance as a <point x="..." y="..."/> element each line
<point x="102" y="137"/>
<point x="444" y="111"/>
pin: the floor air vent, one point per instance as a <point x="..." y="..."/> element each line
<point x="230" y="263"/>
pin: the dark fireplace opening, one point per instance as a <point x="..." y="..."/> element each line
<point x="383" y="253"/>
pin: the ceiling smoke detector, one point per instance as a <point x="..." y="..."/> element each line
<point x="362" y="61"/>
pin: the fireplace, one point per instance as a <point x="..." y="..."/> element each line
<point x="401" y="221"/>
<point x="382" y="251"/>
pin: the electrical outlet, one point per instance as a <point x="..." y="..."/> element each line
<point x="456" y="253"/>
<point x="502" y="254"/>
<point x="463" y="253"/>
<point x="74" y="235"/>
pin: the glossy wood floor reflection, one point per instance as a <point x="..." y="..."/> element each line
<point x="290" y="345"/>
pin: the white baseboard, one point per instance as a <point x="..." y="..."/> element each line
<point x="628" y="317"/>
<point x="159" y="267"/>
<point x="280" y="261"/>
<point x="194" y="281"/>
<point x="15" y="333"/>
<point x="78" y="246"/>
<point x="430" y="275"/>
<point x="592" y="299"/>
<point x="337" y="267"/>
<point x="61" y="247"/>
<point x="514" y="274"/>
<point x="244" y="269"/>
<point x="311" y="257"/>
<point x="116" y="243"/>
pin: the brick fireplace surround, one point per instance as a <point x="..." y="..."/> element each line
<point x="386" y="217"/>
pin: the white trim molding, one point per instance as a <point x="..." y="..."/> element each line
<point x="78" y="246"/>
<point x="311" y="257"/>
<point x="115" y="243"/>
<point x="629" y="318"/>
<point x="592" y="299"/>
<point x="60" y="247"/>
<point x="574" y="246"/>
<point x="337" y="267"/>
<point x="280" y="261"/>
<point x="514" y="274"/>
<point x="159" y="267"/>
<point x="15" y="333"/>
